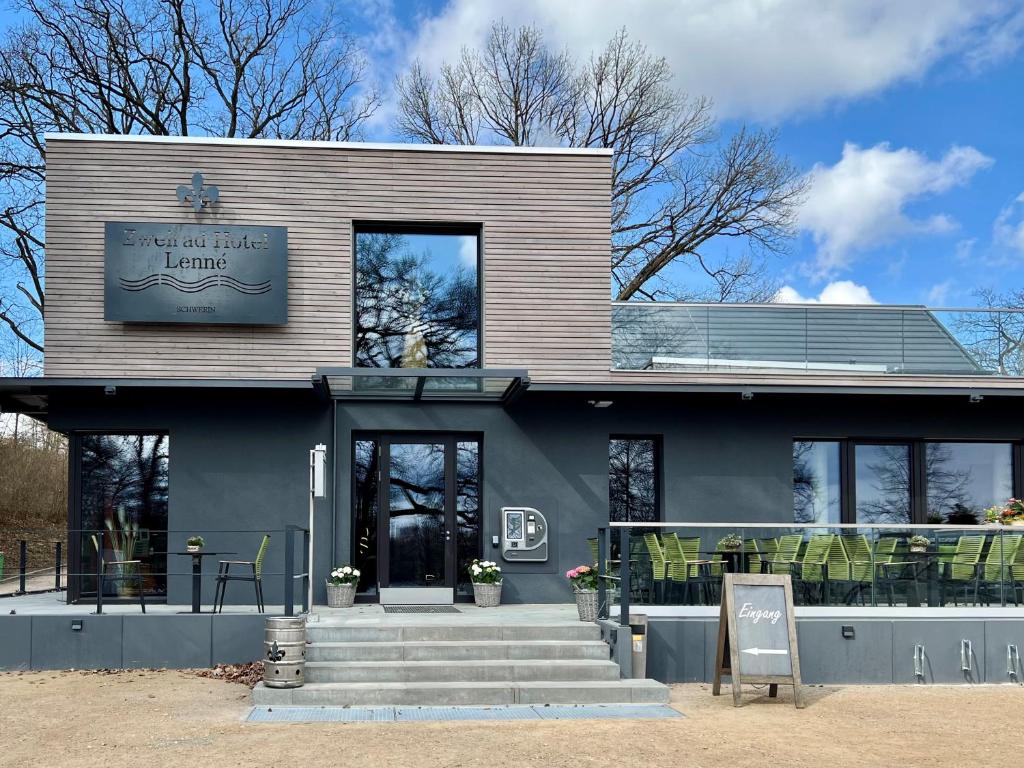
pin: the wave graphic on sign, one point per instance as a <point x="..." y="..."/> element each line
<point x="196" y="286"/>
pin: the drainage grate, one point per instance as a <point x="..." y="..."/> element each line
<point x="437" y="714"/>
<point x="421" y="609"/>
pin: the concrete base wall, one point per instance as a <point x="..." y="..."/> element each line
<point x="129" y="641"/>
<point x="881" y="651"/>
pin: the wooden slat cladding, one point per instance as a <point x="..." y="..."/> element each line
<point x="546" y="251"/>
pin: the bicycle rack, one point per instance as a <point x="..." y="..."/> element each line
<point x="1012" y="662"/>
<point x="919" y="662"/>
<point x="966" y="660"/>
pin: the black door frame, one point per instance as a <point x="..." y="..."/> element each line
<point x="385" y="441"/>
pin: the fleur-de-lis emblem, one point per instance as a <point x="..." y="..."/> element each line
<point x="198" y="195"/>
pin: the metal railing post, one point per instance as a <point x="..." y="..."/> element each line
<point x="289" y="570"/>
<point x="99" y="581"/>
<point x="57" y="563"/>
<point x="602" y="589"/>
<point x="624" y="581"/>
<point x="22" y="566"/>
<point x="305" y="569"/>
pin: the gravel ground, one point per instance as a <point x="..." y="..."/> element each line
<point x="167" y="718"/>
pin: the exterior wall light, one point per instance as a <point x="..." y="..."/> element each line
<point x="109" y="390"/>
<point x="747" y="395"/>
<point x="599" y="403"/>
<point x="975" y="398"/>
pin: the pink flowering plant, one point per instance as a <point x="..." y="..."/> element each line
<point x="582" y="577"/>
<point x="1011" y="512"/>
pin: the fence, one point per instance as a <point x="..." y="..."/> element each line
<point x="141" y="565"/>
<point x="908" y="566"/>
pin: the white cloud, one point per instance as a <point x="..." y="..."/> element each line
<point x="766" y="59"/>
<point x="1008" y="229"/>
<point x="838" y="292"/>
<point x="860" y="201"/>
<point x="938" y="294"/>
<point x="468" y="251"/>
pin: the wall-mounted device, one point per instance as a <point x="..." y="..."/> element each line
<point x="524" y="535"/>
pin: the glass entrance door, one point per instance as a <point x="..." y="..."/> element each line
<point x="419" y="514"/>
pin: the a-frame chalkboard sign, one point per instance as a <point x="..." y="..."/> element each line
<point x="757" y="635"/>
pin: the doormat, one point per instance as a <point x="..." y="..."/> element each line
<point x="421" y="609"/>
<point x="279" y="714"/>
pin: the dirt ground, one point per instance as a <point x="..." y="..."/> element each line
<point x="160" y="718"/>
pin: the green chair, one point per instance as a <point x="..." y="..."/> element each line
<point x="814" y="568"/>
<point x="685" y="567"/>
<point x="124" y="571"/>
<point x="787" y="554"/>
<point x="995" y="575"/>
<point x="659" y="564"/>
<point x="961" y="569"/>
<point x="753" y="553"/>
<point x="224" y="575"/>
<point x="861" y="564"/>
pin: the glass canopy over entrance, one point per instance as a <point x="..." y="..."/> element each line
<point x="415" y="384"/>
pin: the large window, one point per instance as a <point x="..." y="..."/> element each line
<point x="417" y="298"/>
<point x="900" y="483"/>
<point x="883" y="484"/>
<point x="123" y="497"/>
<point x="966" y="478"/>
<point x="633" y="480"/>
<point x="816" y="486"/>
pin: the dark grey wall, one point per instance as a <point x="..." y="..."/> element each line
<point x="129" y="641"/>
<point x="239" y="460"/>
<point x="238" y="468"/>
<point x="881" y="651"/>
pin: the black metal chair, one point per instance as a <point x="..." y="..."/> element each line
<point x="128" y="570"/>
<point x="224" y="575"/>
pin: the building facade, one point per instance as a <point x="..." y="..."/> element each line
<point x="440" y="319"/>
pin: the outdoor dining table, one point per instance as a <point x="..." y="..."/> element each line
<point x="921" y="564"/>
<point x="197" y="572"/>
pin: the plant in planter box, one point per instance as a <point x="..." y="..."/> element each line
<point x="730" y="542"/>
<point x="486" y="578"/>
<point x="1011" y="513"/>
<point x="583" y="580"/>
<point x="919" y="543"/>
<point x="194" y="543"/>
<point x="341" y="586"/>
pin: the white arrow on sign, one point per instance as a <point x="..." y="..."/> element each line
<point x="761" y="651"/>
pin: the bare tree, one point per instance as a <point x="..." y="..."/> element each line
<point x="236" y="68"/>
<point x="995" y="339"/>
<point x="675" y="186"/>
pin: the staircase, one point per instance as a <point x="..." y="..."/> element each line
<point x="438" y="665"/>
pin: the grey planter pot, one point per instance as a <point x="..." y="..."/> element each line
<point x="340" y="595"/>
<point x="586" y="604"/>
<point x="487" y="595"/>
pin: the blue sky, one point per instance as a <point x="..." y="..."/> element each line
<point x="905" y="115"/>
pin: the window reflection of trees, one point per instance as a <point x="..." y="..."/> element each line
<point x="124" y="502"/>
<point x="632" y="480"/>
<point x="884" y="470"/>
<point x="815" y="496"/>
<point x="408" y="313"/>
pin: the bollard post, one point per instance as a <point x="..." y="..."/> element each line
<point x="22" y="566"/>
<point x="57" y="563"/>
<point x="289" y="570"/>
<point x="624" y="578"/>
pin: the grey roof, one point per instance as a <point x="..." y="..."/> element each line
<point x="782" y="337"/>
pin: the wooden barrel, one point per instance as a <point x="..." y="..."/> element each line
<point x="284" y="652"/>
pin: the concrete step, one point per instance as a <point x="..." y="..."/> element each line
<point x="501" y="670"/>
<point x="454" y="694"/>
<point x="348" y="633"/>
<point x="457" y="650"/>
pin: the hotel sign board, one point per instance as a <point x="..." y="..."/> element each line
<point x="195" y="273"/>
<point x="757" y="634"/>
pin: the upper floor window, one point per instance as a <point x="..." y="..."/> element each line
<point x="633" y="480"/>
<point x="417" y="297"/>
